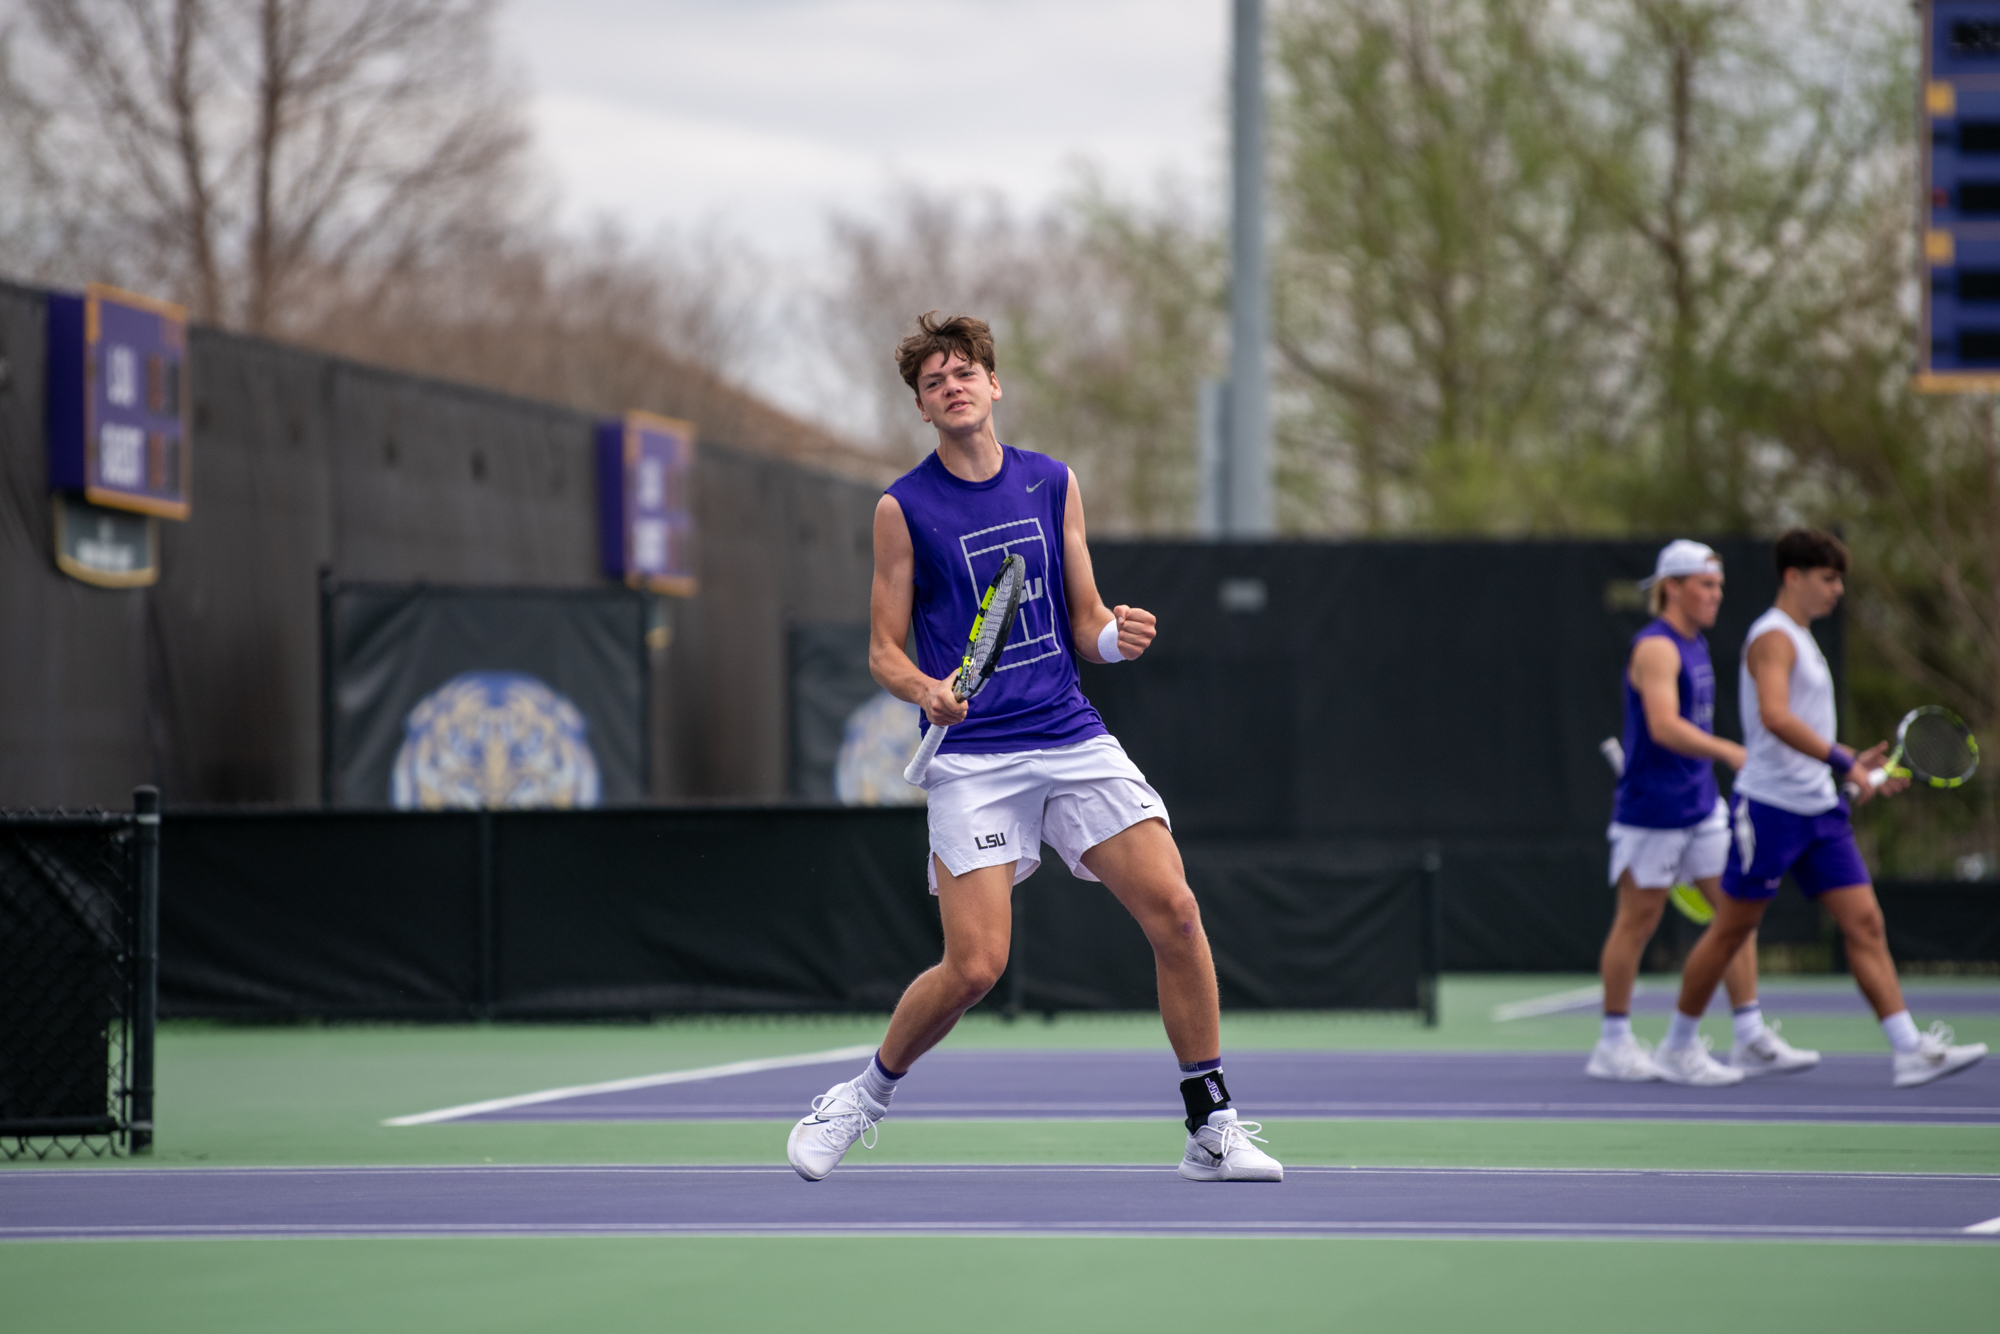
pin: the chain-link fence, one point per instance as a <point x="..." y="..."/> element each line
<point x="78" y="968"/>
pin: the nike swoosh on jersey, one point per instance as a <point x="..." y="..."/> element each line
<point x="1032" y="487"/>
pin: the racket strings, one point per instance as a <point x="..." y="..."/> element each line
<point x="1938" y="748"/>
<point x="989" y="636"/>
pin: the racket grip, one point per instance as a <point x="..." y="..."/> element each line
<point x="920" y="763"/>
<point x="1877" y="777"/>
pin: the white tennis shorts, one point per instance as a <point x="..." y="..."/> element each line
<point x="1663" y="858"/>
<point x="988" y="810"/>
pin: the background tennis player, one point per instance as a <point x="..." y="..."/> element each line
<point x="1786" y="816"/>
<point x="1026" y="762"/>
<point x="1669" y="825"/>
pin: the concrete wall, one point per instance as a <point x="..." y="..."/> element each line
<point x="208" y="683"/>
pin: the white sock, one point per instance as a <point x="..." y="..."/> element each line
<point x="1749" y="1022"/>
<point x="1617" y="1028"/>
<point x="1901" y="1030"/>
<point x="1682" y="1032"/>
<point x="877" y="1082"/>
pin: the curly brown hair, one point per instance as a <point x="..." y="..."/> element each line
<point x="961" y="334"/>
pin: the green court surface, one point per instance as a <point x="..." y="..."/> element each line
<point x="989" y="1285"/>
<point x="317" y="1095"/>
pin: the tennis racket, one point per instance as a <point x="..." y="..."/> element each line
<point x="983" y="648"/>
<point x="1934" y="746"/>
<point x="1687" y="900"/>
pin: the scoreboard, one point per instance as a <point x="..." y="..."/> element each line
<point x="645" y="475"/>
<point x="118" y="430"/>
<point x="1959" y="175"/>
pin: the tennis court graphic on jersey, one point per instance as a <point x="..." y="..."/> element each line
<point x="1703" y="676"/>
<point x="1034" y="636"/>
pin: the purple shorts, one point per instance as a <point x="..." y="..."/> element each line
<point x="1818" y="850"/>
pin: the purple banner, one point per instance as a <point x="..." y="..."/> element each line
<point x="645" y="466"/>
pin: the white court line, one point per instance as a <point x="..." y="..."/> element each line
<point x="1117" y="1227"/>
<point x="1577" y="999"/>
<point x="1606" y="1111"/>
<point x="1990" y="1228"/>
<point x="71" y="1174"/>
<point x="641" y="1082"/>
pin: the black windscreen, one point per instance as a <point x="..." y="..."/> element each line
<point x="1979" y="136"/>
<point x="1975" y="37"/>
<point x="1982" y="197"/>
<point x="1979" y="347"/>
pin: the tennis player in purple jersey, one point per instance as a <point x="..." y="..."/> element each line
<point x="1670" y="826"/>
<point x="1027" y="761"/>
<point x="1786" y="816"/>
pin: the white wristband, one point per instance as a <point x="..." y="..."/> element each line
<point x="1107" y="642"/>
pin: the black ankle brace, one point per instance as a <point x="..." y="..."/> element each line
<point x="1203" y="1094"/>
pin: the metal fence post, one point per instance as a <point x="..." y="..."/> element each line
<point x="327" y="588"/>
<point x="146" y="964"/>
<point x="1433" y="929"/>
<point x="489" y="918"/>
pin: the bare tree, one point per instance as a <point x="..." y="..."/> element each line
<point x="1107" y="314"/>
<point x="27" y="178"/>
<point x="598" y="322"/>
<point x="922" y="252"/>
<point x="255" y="155"/>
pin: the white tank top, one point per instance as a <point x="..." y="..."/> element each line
<point x="1773" y="772"/>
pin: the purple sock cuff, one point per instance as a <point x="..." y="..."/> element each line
<point x="1200" y="1067"/>
<point x="1616" y="1014"/>
<point x="1746" y="1009"/>
<point x="884" y="1070"/>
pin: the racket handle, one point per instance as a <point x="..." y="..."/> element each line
<point x="1877" y="777"/>
<point x="920" y="763"/>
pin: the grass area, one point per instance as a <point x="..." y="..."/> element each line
<point x="317" y="1095"/>
<point x="978" y="1284"/>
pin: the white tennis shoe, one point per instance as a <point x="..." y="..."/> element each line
<point x="1934" y="1058"/>
<point x="1694" y="1066"/>
<point x="839" y="1116"/>
<point x="1629" y="1061"/>
<point x="1769" y="1054"/>
<point x="1222" y="1151"/>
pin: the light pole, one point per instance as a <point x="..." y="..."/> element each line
<point x="1235" y="418"/>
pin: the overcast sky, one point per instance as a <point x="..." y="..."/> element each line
<point x="761" y="116"/>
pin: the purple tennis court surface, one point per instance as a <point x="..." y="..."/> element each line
<point x="1104" y="1085"/>
<point x="1777" y="1003"/>
<point x="609" y="1201"/>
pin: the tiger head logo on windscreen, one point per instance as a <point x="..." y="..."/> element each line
<point x="494" y="740"/>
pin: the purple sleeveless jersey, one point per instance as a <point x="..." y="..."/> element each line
<point x="961" y="532"/>
<point x="1662" y="789"/>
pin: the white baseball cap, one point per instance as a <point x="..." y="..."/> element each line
<point x="1680" y="557"/>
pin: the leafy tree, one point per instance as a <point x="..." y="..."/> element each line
<point x="1422" y="196"/>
